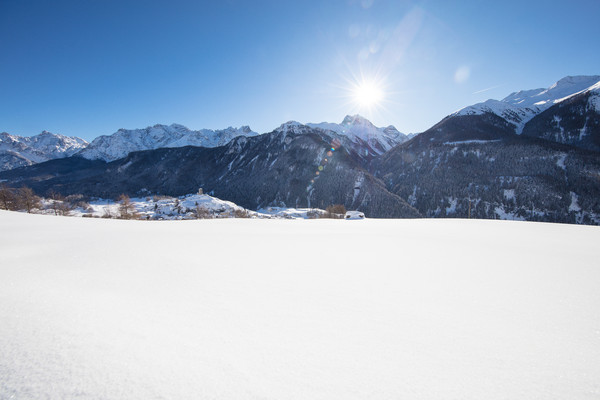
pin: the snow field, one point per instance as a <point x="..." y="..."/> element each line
<point x="319" y="309"/>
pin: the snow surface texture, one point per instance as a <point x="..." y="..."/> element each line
<point x="275" y="309"/>
<point x="519" y="107"/>
<point x="124" y="141"/>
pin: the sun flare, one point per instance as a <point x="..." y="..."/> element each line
<point x="368" y="94"/>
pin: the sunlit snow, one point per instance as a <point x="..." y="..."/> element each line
<point x="303" y="309"/>
<point x="519" y="107"/>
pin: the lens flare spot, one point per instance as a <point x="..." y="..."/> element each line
<point x="329" y="153"/>
<point x="320" y="168"/>
<point x="317" y="173"/>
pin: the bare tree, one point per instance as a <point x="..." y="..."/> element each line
<point x="59" y="204"/>
<point x="27" y="199"/>
<point x="8" y="198"/>
<point x="63" y="208"/>
<point x="126" y="208"/>
<point x="78" y="200"/>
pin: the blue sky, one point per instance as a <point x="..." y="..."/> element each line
<point x="88" y="68"/>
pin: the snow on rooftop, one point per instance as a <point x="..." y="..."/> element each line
<point x="301" y="309"/>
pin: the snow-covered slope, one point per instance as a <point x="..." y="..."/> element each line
<point x="192" y="206"/>
<point x="594" y="100"/>
<point x="520" y="107"/>
<point x="124" y="141"/>
<point x="358" y="128"/>
<point x="264" y="309"/>
<point x="17" y="151"/>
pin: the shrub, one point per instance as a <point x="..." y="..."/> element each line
<point x="203" y="213"/>
<point x="241" y="213"/>
<point x="335" y="211"/>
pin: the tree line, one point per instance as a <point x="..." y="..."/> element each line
<point x="25" y="199"/>
<point x="19" y="199"/>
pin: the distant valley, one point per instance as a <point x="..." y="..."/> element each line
<point x="531" y="156"/>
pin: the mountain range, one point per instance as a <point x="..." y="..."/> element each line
<point x="18" y="151"/>
<point x="124" y="141"/>
<point x="532" y="155"/>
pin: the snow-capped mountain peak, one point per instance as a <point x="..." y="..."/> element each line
<point x="178" y="127"/>
<point x="570" y="82"/>
<point x="244" y="128"/>
<point x="354" y="132"/>
<point x="17" y="151"/>
<point x="293" y="127"/>
<point x="359" y="129"/>
<point x="565" y="87"/>
<point x="290" y="124"/>
<point x="124" y="141"/>
<point x="354" y="120"/>
<point x="520" y="107"/>
<point x="391" y="131"/>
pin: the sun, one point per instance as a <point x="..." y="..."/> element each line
<point x="367" y="94"/>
